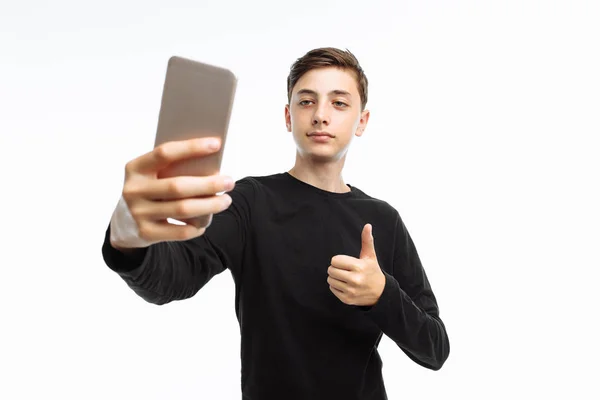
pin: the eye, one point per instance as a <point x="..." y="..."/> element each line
<point x="340" y="104"/>
<point x="305" y="102"/>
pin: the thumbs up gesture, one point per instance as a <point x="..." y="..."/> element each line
<point x="357" y="281"/>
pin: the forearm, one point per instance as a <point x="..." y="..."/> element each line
<point x="416" y="329"/>
<point x="165" y="271"/>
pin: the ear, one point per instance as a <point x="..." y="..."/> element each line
<point x="362" y="124"/>
<point x="288" y="118"/>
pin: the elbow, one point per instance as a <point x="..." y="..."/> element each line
<point x="152" y="297"/>
<point x="434" y="351"/>
<point x="434" y="359"/>
<point x="435" y="363"/>
<point x="441" y="346"/>
<point x="441" y="354"/>
<point x="156" y="301"/>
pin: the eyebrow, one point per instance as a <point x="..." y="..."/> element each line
<point x="336" y="92"/>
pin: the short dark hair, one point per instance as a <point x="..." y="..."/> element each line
<point x="329" y="57"/>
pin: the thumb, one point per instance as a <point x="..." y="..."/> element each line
<point x="368" y="243"/>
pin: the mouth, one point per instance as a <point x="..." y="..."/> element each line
<point x="321" y="134"/>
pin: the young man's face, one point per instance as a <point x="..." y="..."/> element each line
<point x="325" y="113"/>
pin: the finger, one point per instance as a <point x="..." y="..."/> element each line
<point x="339" y="274"/>
<point x="182" y="209"/>
<point x="182" y="187"/>
<point x="170" y="152"/>
<point x="162" y="231"/>
<point x="200" y="222"/>
<point x="339" y="294"/>
<point x="344" y="262"/>
<point x="336" y="284"/>
<point x="367" y="249"/>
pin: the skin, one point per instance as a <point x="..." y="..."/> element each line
<point x="321" y="164"/>
<point x="327" y="100"/>
<point x="151" y="200"/>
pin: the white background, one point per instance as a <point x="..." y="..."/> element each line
<point x="483" y="134"/>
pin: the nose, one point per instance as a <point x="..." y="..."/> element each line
<point x="321" y="116"/>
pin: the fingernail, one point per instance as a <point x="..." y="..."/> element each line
<point x="213" y="144"/>
<point x="228" y="183"/>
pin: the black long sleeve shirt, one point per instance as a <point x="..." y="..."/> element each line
<point x="298" y="340"/>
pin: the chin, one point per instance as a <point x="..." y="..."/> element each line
<point x="320" y="155"/>
<point x="320" y="152"/>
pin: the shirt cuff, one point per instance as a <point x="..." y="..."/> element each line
<point x="120" y="262"/>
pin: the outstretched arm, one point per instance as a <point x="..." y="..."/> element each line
<point x="176" y="270"/>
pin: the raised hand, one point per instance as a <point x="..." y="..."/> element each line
<point x="357" y="281"/>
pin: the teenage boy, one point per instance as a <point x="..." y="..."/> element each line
<point x="321" y="269"/>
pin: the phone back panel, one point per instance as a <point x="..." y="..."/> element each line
<point x="196" y="102"/>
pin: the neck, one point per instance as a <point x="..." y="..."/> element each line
<point x="325" y="176"/>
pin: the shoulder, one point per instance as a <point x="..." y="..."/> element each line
<point x="250" y="185"/>
<point x="258" y="183"/>
<point x="387" y="217"/>
<point x="378" y="205"/>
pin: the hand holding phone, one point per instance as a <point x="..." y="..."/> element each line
<point x="140" y="219"/>
<point x="180" y="178"/>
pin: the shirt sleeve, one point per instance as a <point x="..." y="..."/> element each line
<point x="168" y="271"/>
<point x="407" y="311"/>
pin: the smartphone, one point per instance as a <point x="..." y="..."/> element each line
<point x="197" y="101"/>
